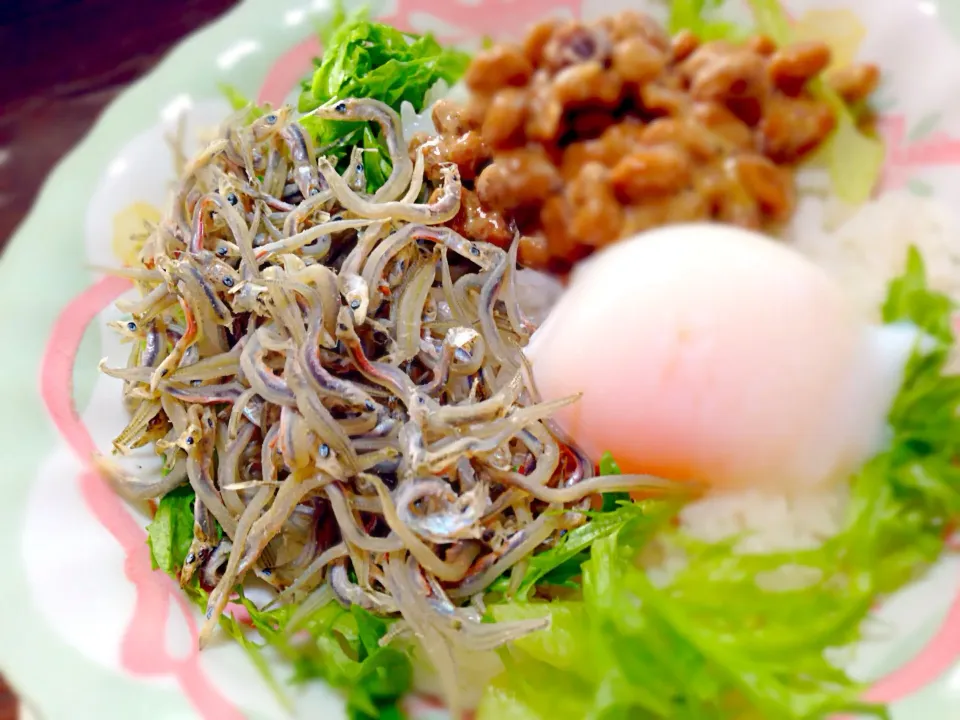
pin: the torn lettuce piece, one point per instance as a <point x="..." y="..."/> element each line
<point x="170" y="532"/>
<point x="608" y="466"/>
<point x="368" y="59"/>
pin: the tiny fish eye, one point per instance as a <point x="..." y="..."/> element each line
<point x="228" y="281"/>
<point x="270" y="119"/>
<point x="232" y="198"/>
<point x="355" y="304"/>
<point x="474" y="250"/>
<point x="340" y="107"/>
<point x="359" y="167"/>
<point x="314" y="191"/>
<point x="189" y="441"/>
<point x="222" y="251"/>
<point x="131" y="325"/>
<point x="190" y="558"/>
<point x="324" y="450"/>
<point x="368" y="405"/>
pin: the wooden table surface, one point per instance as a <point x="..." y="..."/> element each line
<point x="62" y="62"/>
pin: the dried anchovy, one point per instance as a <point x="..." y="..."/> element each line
<point x="342" y="392"/>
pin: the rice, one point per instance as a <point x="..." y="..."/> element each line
<point x="767" y="522"/>
<point x="422" y="122"/>
<point x="866" y="247"/>
<point x="756" y="522"/>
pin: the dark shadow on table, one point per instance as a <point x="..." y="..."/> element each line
<point x="63" y="61"/>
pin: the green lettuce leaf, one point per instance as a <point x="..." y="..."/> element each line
<point x="608" y="466"/>
<point x="255" y="651"/>
<point x="560" y="566"/>
<point x="170" y="532"/>
<point x="909" y="299"/>
<point x="345" y="651"/>
<point x="369" y="59"/>
<point x="372" y="60"/>
<point x="340" y="647"/>
<point x="571" y="549"/>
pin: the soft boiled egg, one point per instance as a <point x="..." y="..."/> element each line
<point x="713" y="354"/>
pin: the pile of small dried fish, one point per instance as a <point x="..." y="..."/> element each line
<point x="339" y="378"/>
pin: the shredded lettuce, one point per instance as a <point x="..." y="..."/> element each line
<point x="708" y="642"/>
<point x="854" y="158"/>
<point x="369" y="59"/>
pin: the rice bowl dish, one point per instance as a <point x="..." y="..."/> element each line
<point x="601" y="359"/>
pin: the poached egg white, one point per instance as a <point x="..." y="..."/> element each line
<point x="714" y="354"/>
